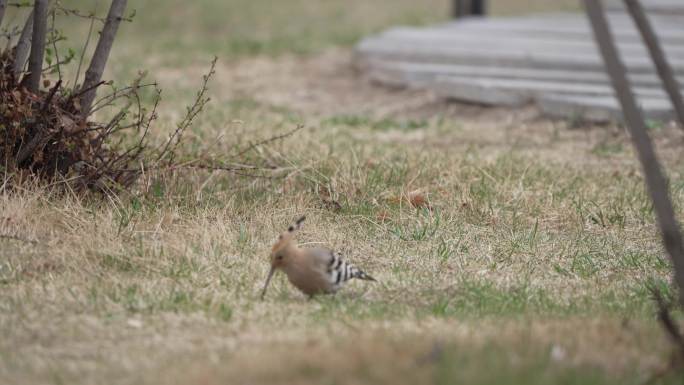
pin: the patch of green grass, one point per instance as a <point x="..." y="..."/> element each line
<point x="644" y="260"/>
<point x="425" y="229"/>
<point x="481" y="299"/>
<point x="608" y="148"/>
<point x="375" y="124"/>
<point x="527" y="364"/>
<point x="119" y="263"/>
<point x="654" y="125"/>
<point x="475" y="299"/>
<point x="355" y="308"/>
<point x="135" y="299"/>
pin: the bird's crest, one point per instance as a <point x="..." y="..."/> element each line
<point x="286" y="237"/>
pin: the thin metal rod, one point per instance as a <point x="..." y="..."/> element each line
<point x="655" y="180"/>
<point x="658" y="55"/>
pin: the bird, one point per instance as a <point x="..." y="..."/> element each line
<point x="311" y="270"/>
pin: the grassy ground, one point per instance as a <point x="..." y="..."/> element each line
<point x="530" y="265"/>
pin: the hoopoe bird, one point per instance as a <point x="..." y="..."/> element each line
<point x="311" y="270"/>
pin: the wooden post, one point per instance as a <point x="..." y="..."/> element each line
<point x="658" y="55"/>
<point x="655" y="181"/>
<point x="101" y="54"/>
<point x="40" y="14"/>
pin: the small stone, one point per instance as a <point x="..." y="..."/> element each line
<point x="134" y="323"/>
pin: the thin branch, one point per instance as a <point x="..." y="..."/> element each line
<point x="77" y="13"/>
<point x="9" y="34"/>
<point x="269" y="140"/>
<point x="54" y="39"/>
<point x="38" y="137"/>
<point x="40" y="11"/>
<point x="101" y="54"/>
<point x="51" y="94"/>
<point x="57" y="64"/>
<point x="666" y="320"/>
<point x="28" y="150"/>
<point x="191" y="114"/>
<point x="85" y="47"/>
<point x="655" y="180"/>
<point x="82" y="91"/>
<point x="124" y="92"/>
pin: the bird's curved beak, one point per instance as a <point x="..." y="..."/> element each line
<point x="268" y="280"/>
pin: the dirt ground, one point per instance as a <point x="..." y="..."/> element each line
<point x="329" y="85"/>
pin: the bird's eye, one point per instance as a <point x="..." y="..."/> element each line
<point x="279" y="257"/>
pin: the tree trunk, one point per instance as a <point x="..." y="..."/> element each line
<point x="479" y="7"/>
<point x="3" y="6"/>
<point x="664" y="70"/>
<point x="655" y="181"/>
<point x="99" y="60"/>
<point x="23" y="46"/>
<point x="463" y="8"/>
<point x="40" y="14"/>
<point x="457" y="9"/>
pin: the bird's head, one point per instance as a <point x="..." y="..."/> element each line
<point x="282" y="250"/>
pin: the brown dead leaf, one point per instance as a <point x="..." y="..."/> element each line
<point x="415" y="198"/>
<point x="418" y="199"/>
<point x="382" y="216"/>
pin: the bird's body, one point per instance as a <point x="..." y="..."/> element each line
<point x="311" y="270"/>
<point x="320" y="271"/>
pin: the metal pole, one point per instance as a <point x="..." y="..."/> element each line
<point x="658" y="55"/>
<point x="655" y="181"/>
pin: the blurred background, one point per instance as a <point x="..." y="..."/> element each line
<point x="233" y="28"/>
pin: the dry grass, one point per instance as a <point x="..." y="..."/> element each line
<point x="530" y="267"/>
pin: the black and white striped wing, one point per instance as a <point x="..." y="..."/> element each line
<point x="340" y="271"/>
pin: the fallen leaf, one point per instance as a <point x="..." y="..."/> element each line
<point x="382" y="216"/>
<point x="419" y="200"/>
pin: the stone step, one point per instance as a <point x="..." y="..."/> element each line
<point x="421" y="74"/>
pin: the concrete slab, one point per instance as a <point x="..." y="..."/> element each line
<point x="547" y="59"/>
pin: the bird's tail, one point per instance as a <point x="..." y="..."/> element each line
<point x="360" y="274"/>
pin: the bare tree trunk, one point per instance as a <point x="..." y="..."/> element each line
<point x="23" y="46"/>
<point x="663" y="67"/>
<point x="40" y="14"/>
<point x="462" y="8"/>
<point x="457" y="9"/>
<point x="479" y="7"/>
<point x="655" y="181"/>
<point x="99" y="60"/>
<point x="3" y="6"/>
